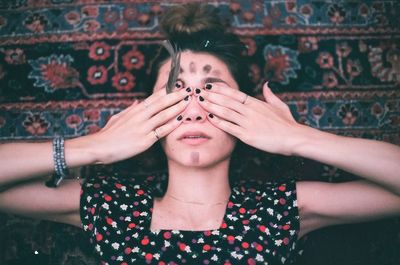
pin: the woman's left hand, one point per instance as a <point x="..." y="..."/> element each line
<point x="266" y="125"/>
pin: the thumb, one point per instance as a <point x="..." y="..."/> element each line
<point x="268" y="95"/>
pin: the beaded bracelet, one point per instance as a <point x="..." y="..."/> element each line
<point x="60" y="166"/>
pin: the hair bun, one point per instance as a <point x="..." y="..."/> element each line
<point x="189" y="19"/>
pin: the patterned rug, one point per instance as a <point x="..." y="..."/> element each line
<point x="66" y="66"/>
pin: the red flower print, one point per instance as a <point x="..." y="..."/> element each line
<point x="110" y="16"/>
<point x="90" y="11"/>
<point x="36" y="124"/>
<point x="248" y="16"/>
<point x="60" y="75"/>
<point x="130" y="13"/>
<point x="354" y="68"/>
<point x="325" y="60"/>
<point x="343" y="49"/>
<point x="329" y="80"/>
<point x="73" y="17"/>
<point x="91" y="115"/>
<point x="308" y="44"/>
<point x="73" y="121"/>
<point x="251" y="46"/>
<point x="133" y="59"/>
<point x="306" y="10"/>
<point x="336" y="13"/>
<point x="121" y="25"/>
<point x="97" y="75"/>
<point x="156" y="10"/>
<point x="36" y="22"/>
<point x="92" y="128"/>
<point x="348" y="113"/>
<point x="235" y="7"/>
<point x="91" y="26"/>
<point x="144" y="19"/>
<point x="206" y="247"/>
<point x="99" y="51"/>
<point x="291" y="20"/>
<point x="16" y="56"/>
<point x="123" y="81"/>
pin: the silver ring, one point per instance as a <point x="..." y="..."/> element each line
<point x="245" y="99"/>
<point x="156" y="134"/>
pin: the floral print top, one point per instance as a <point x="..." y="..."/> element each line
<point x="260" y="225"/>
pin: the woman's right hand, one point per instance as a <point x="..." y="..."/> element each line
<point x="132" y="131"/>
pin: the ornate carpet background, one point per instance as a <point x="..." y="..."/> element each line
<point x="67" y="65"/>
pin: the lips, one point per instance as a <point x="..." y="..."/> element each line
<point x="194" y="138"/>
<point x="194" y="135"/>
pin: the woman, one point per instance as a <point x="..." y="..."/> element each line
<point x="201" y="217"/>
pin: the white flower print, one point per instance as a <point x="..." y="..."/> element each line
<point x="135" y="250"/>
<point x="120" y="258"/>
<point x="239" y="238"/>
<point x="88" y="198"/>
<point x="128" y="218"/>
<point x="237" y="256"/>
<point x="279" y="217"/>
<point x="167" y="243"/>
<point x="215" y="232"/>
<point x="123" y="207"/>
<point x="97" y="247"/>
<point x="259" y="258"/>
<point x="214" y="258"/>
<point x="270" y="211"/>
<point x="246" y="227"/>
<point x="156" y="256"/>
<point x="278" y="242"/>
<point x="105" y="206"/>
<point x="115" y="245"/>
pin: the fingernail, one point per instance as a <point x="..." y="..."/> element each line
<point x="211" y="115"/>
<point x="188" y="90"/>
<point x="198" y="90"/>
<point x="208" y="86"/>
<point x="179" y="118"/>
<point x="186" y="98"/>
<point x="201" y="98"/>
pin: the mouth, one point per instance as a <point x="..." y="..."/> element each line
<point x="194" y="138"/>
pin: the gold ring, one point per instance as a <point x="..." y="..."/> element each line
<point x="156" y="134"/>
<point x="245" y="99"/>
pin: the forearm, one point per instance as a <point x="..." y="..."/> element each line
<point x="27" y="161"/>
<point x="375" y="161"/>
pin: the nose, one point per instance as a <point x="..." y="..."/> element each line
<point x="194" y="112"/>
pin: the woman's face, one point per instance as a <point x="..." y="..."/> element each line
<point x="196" y="142"/>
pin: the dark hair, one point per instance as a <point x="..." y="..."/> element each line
<point x="198" y="28"/>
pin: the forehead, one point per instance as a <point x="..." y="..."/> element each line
<point x="198" y="64"/>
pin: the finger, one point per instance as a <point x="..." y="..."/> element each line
<point x="169" y="113"/>
<point x="165" y="129"/>
<point x="225" y="113"/>
<point x="235" y="94"/>
<point x="226" y="126"/>
<point x="269" y="96"/>
<point x="165" y="102"/>
<point x="223" y="100"/>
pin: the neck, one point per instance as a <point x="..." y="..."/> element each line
<point x="203" y="186"/>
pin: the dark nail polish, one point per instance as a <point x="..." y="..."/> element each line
<point x="188" y="90"/>
<point x="186" y="98"/>
<point x="198" y="90"/>
<point x="179" y="118"/>
<point x="211" y="115"/>
<point x="201" y="98"/>
<point x="208" y="86"/>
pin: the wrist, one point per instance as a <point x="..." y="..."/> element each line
<point x="81" y="151"/>
<point x="305" y="140"/>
